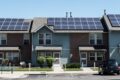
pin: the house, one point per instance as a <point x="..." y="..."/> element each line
<point x="15" y="41"/>
<point x="70" y="39"/>
<point x="112" y="21"/>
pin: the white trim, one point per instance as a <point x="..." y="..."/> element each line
<point x="44" y="38"/>
<point x="40" y="48"/>
<point x="78" y="31"/>
<point x="9" y="49"/>
<point x="83" y="58"/>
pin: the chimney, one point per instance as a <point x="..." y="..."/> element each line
<point x="70" y="14"/>
<point x="104" y="11"/>
<point x="66" y="14"/>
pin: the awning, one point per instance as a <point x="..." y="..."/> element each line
<point x="44" y="48"/>
<point x="9" y="49"/>
<point x="90" y="49"/>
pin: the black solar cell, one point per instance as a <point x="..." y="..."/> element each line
<point x="114" y="20"/>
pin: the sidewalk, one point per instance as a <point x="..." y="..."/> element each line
<point x="22" y="74"/>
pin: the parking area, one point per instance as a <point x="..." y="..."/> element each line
<point x="69" y="77"/>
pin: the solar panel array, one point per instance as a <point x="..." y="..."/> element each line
<point x="75" y="23"/>
<point x="9" y="24"/>
<point x="114" y="19"/>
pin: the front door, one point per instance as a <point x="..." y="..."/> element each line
<point x="83" y="59"/>
<point x="56" y="56"/>
<point x="1" y="57"/>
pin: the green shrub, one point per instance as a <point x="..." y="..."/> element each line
<point x="41" y="60"/>
<point x="49" y="61"/>
<point x="72" y="65"/>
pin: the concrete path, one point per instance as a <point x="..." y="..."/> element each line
<point x="87" y="69"/>
<point x="57" y="68"/>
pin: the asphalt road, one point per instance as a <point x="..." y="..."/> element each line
<point x="70" y="77"/>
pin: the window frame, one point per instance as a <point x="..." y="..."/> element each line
<point x="45" y="38"/>
<point x="95" y="37"/>
<point x="3" y="37"/>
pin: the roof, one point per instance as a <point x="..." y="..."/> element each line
<point x="9" y="49"/>
<point x="90" y="49"/>
<point x="48" y="48"/>
<point x="112" y="22"/>
<point x="15" y="25"/>
<point x="68" y="25"/>
<point x="38" y="23"/>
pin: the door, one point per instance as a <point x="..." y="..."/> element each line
<point x="1" y="57"/>
<point x="56" y="56"/>
<point x="83" y="59"/>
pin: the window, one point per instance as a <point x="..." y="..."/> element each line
<point x="12" y="56"/>
<point x="41" y="39"/>
<point x="41" y="54"/>
<point x="26" y="39"/>
<point x="96" y="39"/>
<point x="100" y="56"/>
<point x="48" y="38"/>
<point x="45" y="39"/>
<point x="92" y="39"/>
<point x="92" y="56"/>
<point x="3" y="39"/>
<point x="96" y="56"/>
<point x="99" y="38"/>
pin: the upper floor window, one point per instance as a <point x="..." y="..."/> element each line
<point x="26" y="38"/>
<point x="45" y="39"/>
<point x="96" y="39"/>
<point x="3" y="39"/>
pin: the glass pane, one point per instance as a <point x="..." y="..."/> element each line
<point x="41" y="41"/>
<point x="48" y="41"/>
<point x="48" y="36"/>
<point x="41" y="36"/>
<point x="92" y="58"/>
<point x="99" y="41"/>
<point x="83" y="55"/>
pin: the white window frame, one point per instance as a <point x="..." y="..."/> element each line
<point x="45" y="38"/>
<point x="95" y="35"/>
<point x="26" y="36"/>
<point x="12" y="55"/>
<point x="100" y="56"/>
<point x="3" y="37"/>
<point x="92" y="56"/>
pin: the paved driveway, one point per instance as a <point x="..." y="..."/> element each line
<point x="70" y="77"/>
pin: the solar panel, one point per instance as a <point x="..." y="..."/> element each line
<point x="9" y="24"/>
<point x="75" y="23"/>
<point x="114" y="20"/>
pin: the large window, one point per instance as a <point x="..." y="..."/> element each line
<point x="45" y="39"/>
<point x="12" y="56"/>
<point x="100" y="56"/>
<point x="3" y="39"/>
<point x="96" y="39"/>
<point x="26" y="39"/>
<point x="96" y="56"/>
<point x="92" y="56"/>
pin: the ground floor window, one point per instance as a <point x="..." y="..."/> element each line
<point x="96" y="56"/>
<point x="12" y="56"/>
<point x="92" y="56"/>
<point x="46" y="54"/>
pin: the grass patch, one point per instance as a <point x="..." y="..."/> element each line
<point x="94" y="69"/>
<point x="72" y="69"/>
<point x="33" y="69"/>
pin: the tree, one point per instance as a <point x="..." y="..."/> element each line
<point x="49" y="61"/>
<point x="41" y="60"/>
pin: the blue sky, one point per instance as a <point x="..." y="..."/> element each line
<point x="57" y="8"/>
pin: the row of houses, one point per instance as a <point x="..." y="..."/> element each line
<point x="81" y="40"/>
